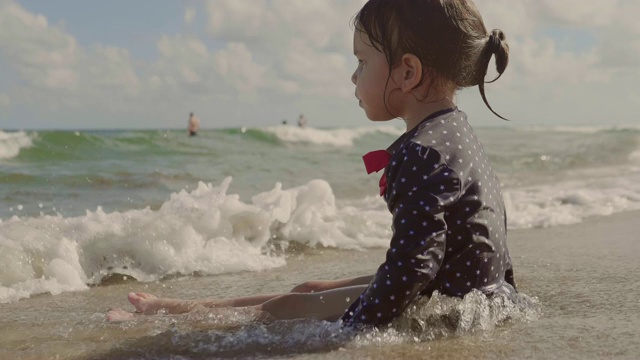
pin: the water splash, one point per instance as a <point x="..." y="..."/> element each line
<point x="441" y="315"/>
<point x="12" y="142"/>
<point x="235" y="333"/>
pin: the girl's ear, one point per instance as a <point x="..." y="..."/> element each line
<point x="410" y="73"/>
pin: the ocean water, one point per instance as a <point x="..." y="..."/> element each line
<point x="77" y="207"/>
<point x="87" y="216"/>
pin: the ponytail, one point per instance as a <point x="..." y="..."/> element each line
<point x="495" y="45"/>
<point x="448" y="36"/>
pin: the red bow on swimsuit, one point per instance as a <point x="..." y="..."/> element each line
<point x="376" y="161"/>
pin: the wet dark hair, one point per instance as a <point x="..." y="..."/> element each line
<point x="448" y="36"/>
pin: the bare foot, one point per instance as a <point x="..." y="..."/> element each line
<point x="149" y="304"/>
<point x="143" y="302"/>
<point x="119" y="315"/>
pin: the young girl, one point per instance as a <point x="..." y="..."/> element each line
<point x="449" y="222"/>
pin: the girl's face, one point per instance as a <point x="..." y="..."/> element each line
<point x="371" y="78"/>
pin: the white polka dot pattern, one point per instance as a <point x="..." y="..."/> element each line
<point x="449" y="222"/>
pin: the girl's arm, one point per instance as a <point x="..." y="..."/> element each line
<point x="422" y="185"/>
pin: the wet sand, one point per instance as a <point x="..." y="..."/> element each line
<point x="585" y="277"/>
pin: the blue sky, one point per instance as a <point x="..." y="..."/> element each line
<point x="133" y="25"/>
<point x="147" y="64"/>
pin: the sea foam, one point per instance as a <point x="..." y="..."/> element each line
<point x="209" y="231"/>
<point x="206" y="231"/>
<point x="12" y="142"/>
<point x="600" y="192"/>
<point x="336" y="137"/>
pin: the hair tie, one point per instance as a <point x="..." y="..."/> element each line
<point x="494" y="43"/>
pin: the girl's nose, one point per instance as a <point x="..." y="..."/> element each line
<point x="354" y="78"/>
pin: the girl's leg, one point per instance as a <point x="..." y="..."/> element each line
<point x="323" y="285"/>
<point x="149" y="304"/>
<point x="325" y="305"/>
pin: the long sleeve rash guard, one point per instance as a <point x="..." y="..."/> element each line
<point x="449" y="222"/>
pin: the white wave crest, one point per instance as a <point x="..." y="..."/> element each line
<point x="12" y="142"/>
<point x="635" y="155"/>
<point x="206" y="231"/>
<point x="579" y="129"/>
<point x="210" y="232"/>
<point x="569" y="202"/>
<point x="334" y="137"/>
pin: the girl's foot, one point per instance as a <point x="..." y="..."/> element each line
<point x="143" y="302"/>
<point x="119" y="315"/>
<point x="149" y="304"/>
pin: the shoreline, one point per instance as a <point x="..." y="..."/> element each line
<point x="584" y="275"/>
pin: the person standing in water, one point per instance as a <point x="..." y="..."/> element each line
<point x="449" y="219"/>
<point x="302" y="121"/>
<point x="194" y="125"/>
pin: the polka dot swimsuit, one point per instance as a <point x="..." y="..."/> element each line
<point x="449" y="222"/>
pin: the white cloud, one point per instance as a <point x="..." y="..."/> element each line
<point x="318" y="72"/>
<point x="189" y="15"/>
<point x="235" y="64"/>
<point x="537" y="58"/>
<point x="58" y="72"/>
<point x="619" y="43"/>
<point x="4" y="100"/>
<point x="524" y="16"/>
<point x="274" y="55"/>
<point x="543" y="63"/>
<point x="307" y="43"/>
<point x="184" y="64"/>
<point x="44" y="56"/>
<point x="237" y="20"/>
<point x="579" y="12"/>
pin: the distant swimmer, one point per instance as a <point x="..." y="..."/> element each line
<point x="194" y="125"/>
<point x="302" y="121"/>
<point x="284" y="122"/>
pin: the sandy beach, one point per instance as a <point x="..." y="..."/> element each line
<point x="584" y="277"/>
<point x="223" y="149"/>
